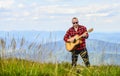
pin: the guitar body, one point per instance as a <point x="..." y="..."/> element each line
<point x="71" y="45"/>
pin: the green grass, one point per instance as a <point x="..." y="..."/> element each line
<point x="19" y="67"/>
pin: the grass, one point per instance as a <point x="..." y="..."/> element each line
<point x="20" y="67"/>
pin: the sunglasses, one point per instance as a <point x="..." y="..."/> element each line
<point x="75" y="22"/>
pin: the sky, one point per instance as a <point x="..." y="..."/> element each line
<point x="56" y="15"/>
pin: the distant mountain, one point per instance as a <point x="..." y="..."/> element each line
<point x="43" y="46"/>
<point x="108" y="37"/>
<point x="46" y="36"/>
<point x="100" y="52"/>
<point x="92" y="45"/>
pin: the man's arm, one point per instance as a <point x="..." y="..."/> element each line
<point x="85" y="35"/>
<point x="67" y="37"/>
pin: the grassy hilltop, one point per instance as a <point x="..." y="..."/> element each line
<point x="13" y="48"/>
<point x="20" y="67"/>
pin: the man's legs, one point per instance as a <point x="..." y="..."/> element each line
<point x="85" y="57"/>
<point x="74" y="58"/>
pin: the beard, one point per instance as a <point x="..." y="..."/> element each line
<point x="76" y="25"/>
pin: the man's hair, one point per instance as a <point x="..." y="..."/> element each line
<point x="74" y="18"/>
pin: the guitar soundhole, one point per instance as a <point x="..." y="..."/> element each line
<point x="74" y="41"/>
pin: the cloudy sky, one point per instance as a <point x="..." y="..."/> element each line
<point x="56" y="15"/>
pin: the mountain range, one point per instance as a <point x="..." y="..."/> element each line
<point x="103" y="48"/>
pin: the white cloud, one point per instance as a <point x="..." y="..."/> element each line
<point x="21" y="5"/>
<point x="97" y="14"/>
<point x="37" y="12"/>
<point x="16" y="14"/>
<point x="22" y="19"/>
<point x="96" y="8"/>
<point x="52" y="17"/>
<point x="26" y="13"/>
<point x="35" y="18"/>
<point x="5" y="13"/>
<point x="55" y="9"/>
<point x="34" y="4"/>
<point x="11" y="19"/>
<point x="53" y="0"/>
<point x="6" y="3"/>
<point x="93" y="10"/>
<point x="109" y="20"/>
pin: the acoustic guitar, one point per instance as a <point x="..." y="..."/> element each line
<point x="77" y="40"/>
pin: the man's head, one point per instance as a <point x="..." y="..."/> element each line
<point x="75" y="21"/>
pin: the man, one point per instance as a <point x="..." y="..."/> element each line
<point x="77" y="29"/>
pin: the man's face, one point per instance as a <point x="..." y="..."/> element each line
<point x="75" y="22"/>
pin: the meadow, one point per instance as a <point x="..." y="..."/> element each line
<point x="28" y="60"/>
<point x="21" y="67"/>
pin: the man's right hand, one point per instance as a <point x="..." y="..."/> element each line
<point x="71" y="40"/>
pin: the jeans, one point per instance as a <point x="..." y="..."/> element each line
<point x="83" y="53"/>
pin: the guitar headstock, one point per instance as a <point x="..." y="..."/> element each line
<point x="90" y="30"/>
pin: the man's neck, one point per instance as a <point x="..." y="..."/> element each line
<point x="76" y="28"/>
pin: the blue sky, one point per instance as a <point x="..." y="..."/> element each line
<point x="56" y="15"/>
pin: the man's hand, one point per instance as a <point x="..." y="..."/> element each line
<point x="71" y="39"/>
<point x="84" y="35"/>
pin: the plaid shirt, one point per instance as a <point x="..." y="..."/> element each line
<point x="71" y="32"/>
